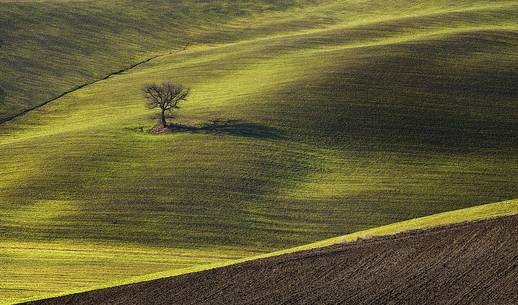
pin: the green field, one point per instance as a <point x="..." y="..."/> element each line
<point x="314" y="120"/>
<point x="51" y="46"/>
<point x="477" y="213"/>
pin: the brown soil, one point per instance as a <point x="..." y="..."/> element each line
<point x="472" y="263"/>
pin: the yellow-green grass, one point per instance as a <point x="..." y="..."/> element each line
<point x="48" y="47"/>
<point x="51" y="46"/>
<point x="28" y="267"/>
<point x="478" y="213"/>
<point x="376" y="115"/>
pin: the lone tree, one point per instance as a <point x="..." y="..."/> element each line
<point x="166" y="96"/>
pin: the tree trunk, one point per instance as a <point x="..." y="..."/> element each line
<point x="162" y="118"/>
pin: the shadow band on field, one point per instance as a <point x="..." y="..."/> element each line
<point x="231" y="127"/>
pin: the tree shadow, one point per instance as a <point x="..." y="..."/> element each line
<point x="231" y="127"/>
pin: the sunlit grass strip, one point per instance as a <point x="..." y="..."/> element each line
<point x="91" y="263"/>
<point x="487" y="211"/>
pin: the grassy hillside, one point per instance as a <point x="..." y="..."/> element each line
<point x="51" y="46"/>
<point x="319" y="121"/>
<point x="470" y="263"/>
<point x="473" y="214"/>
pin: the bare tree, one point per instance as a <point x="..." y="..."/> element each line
<point x="165" y="96"/>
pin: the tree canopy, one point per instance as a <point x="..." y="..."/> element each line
<point x="166" y="96"/>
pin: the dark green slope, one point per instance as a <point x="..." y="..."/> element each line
<point x="49" y="47"/>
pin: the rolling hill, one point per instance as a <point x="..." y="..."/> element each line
<point x="52" y="46"/>
<point x="462" y="256"/>
<point x="307" y="122"/>
<point x="412" y="268"/>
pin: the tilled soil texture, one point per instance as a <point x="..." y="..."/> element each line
<point x="471" y="263"/>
